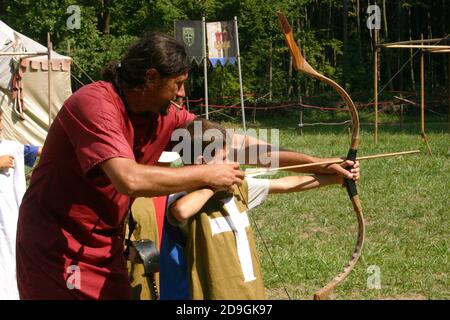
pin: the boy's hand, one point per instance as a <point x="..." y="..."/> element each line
<point x="6" y="162"/>
<point x="224" y="176"/>
<point x="343" y="173"/>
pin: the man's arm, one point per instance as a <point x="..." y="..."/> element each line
<point x="244" y="147"/>
<point x="137" y="180"/>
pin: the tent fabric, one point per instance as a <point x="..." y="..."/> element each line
<point x="31" y="126"/>
<point x="56" y="64"/>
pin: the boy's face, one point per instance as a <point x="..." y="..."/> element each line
<point x="220" y="157"/>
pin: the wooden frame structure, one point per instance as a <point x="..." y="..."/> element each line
<point x="428" y="45"/>
<point x="47" y="53"/>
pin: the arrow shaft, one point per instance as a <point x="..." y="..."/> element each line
<point x="315" y="164"/>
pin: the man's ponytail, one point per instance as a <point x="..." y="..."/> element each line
<point x="110" y="71"/>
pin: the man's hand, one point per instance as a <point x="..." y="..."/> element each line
<point x="6" y="162"/>
<point x="224" y="176"/>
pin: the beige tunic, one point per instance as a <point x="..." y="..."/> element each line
<point x="222" y="256"/>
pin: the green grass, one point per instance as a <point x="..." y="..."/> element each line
<point x="310" y="235"/>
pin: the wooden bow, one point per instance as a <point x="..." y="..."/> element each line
<point x="301" y="65"/>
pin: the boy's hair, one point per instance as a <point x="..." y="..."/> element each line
<point x="216" y="135"/>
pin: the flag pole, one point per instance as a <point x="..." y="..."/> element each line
<point x="205" y="67"/>
<point x="375" y="81"/>
<point x="240" y="74"/>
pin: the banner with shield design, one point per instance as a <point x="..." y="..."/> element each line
<point x="190" y="33"/>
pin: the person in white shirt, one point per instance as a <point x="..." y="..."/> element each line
<point x="13" y="158"/>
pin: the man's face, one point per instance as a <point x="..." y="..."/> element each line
<point x="166" y="89"/>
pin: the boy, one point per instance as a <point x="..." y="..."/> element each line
<point x="220" y="252"/>
<point x="13" y="158"/>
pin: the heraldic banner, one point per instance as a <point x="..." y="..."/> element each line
<point x="189" y="32"/>
<point x="221" y="42"/>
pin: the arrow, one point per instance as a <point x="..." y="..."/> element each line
<point x="256" y="172"/>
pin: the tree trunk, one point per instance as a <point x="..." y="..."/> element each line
<point x="411" y="64"/>
<point x="430" y="58"/>
<point x="270" y="71"/>
<point x="400" y="55"/>
<point x="106" y="17"/>
<point x="330" y="14"/>
<point x="388" y="54"/>
<point x="290" y="87"/>
<point x="443" y="20"/>
<point x="307" y="25"/>
<point x="345" y="37"/>
<point x="358" y="19"/>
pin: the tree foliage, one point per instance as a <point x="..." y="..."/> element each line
<point x="108" y="26"/>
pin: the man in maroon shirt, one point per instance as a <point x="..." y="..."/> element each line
<point x="99" y="155"/>
<point x="70" y="231"/>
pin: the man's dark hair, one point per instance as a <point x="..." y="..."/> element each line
<point x="154" y="50"/>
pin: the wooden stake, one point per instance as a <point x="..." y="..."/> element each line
<point x="422" y="100"/>
<point x="375" y="84"/>
<point x="301" y="115"/>
<point x="413" y="42"/>
<point x="401" y="117"/>
<point x="412" y="46"/>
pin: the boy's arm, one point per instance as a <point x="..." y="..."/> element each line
<point x="185" y="207"/>
<point x="302" y="183"/>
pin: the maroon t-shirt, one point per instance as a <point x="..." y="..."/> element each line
<point x="71" y="223"/>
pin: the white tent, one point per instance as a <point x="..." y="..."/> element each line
<point x="26" y="114"/>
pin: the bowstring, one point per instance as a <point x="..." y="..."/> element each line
<point x="258" y="231"/>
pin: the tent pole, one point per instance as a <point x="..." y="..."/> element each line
<point x="240" y="74"/>
<point x="22" y="53"/>
<point x="205" y="67"/>
<point x="49" y="82"/>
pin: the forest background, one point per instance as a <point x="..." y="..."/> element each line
<point x="332" y="33"/>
